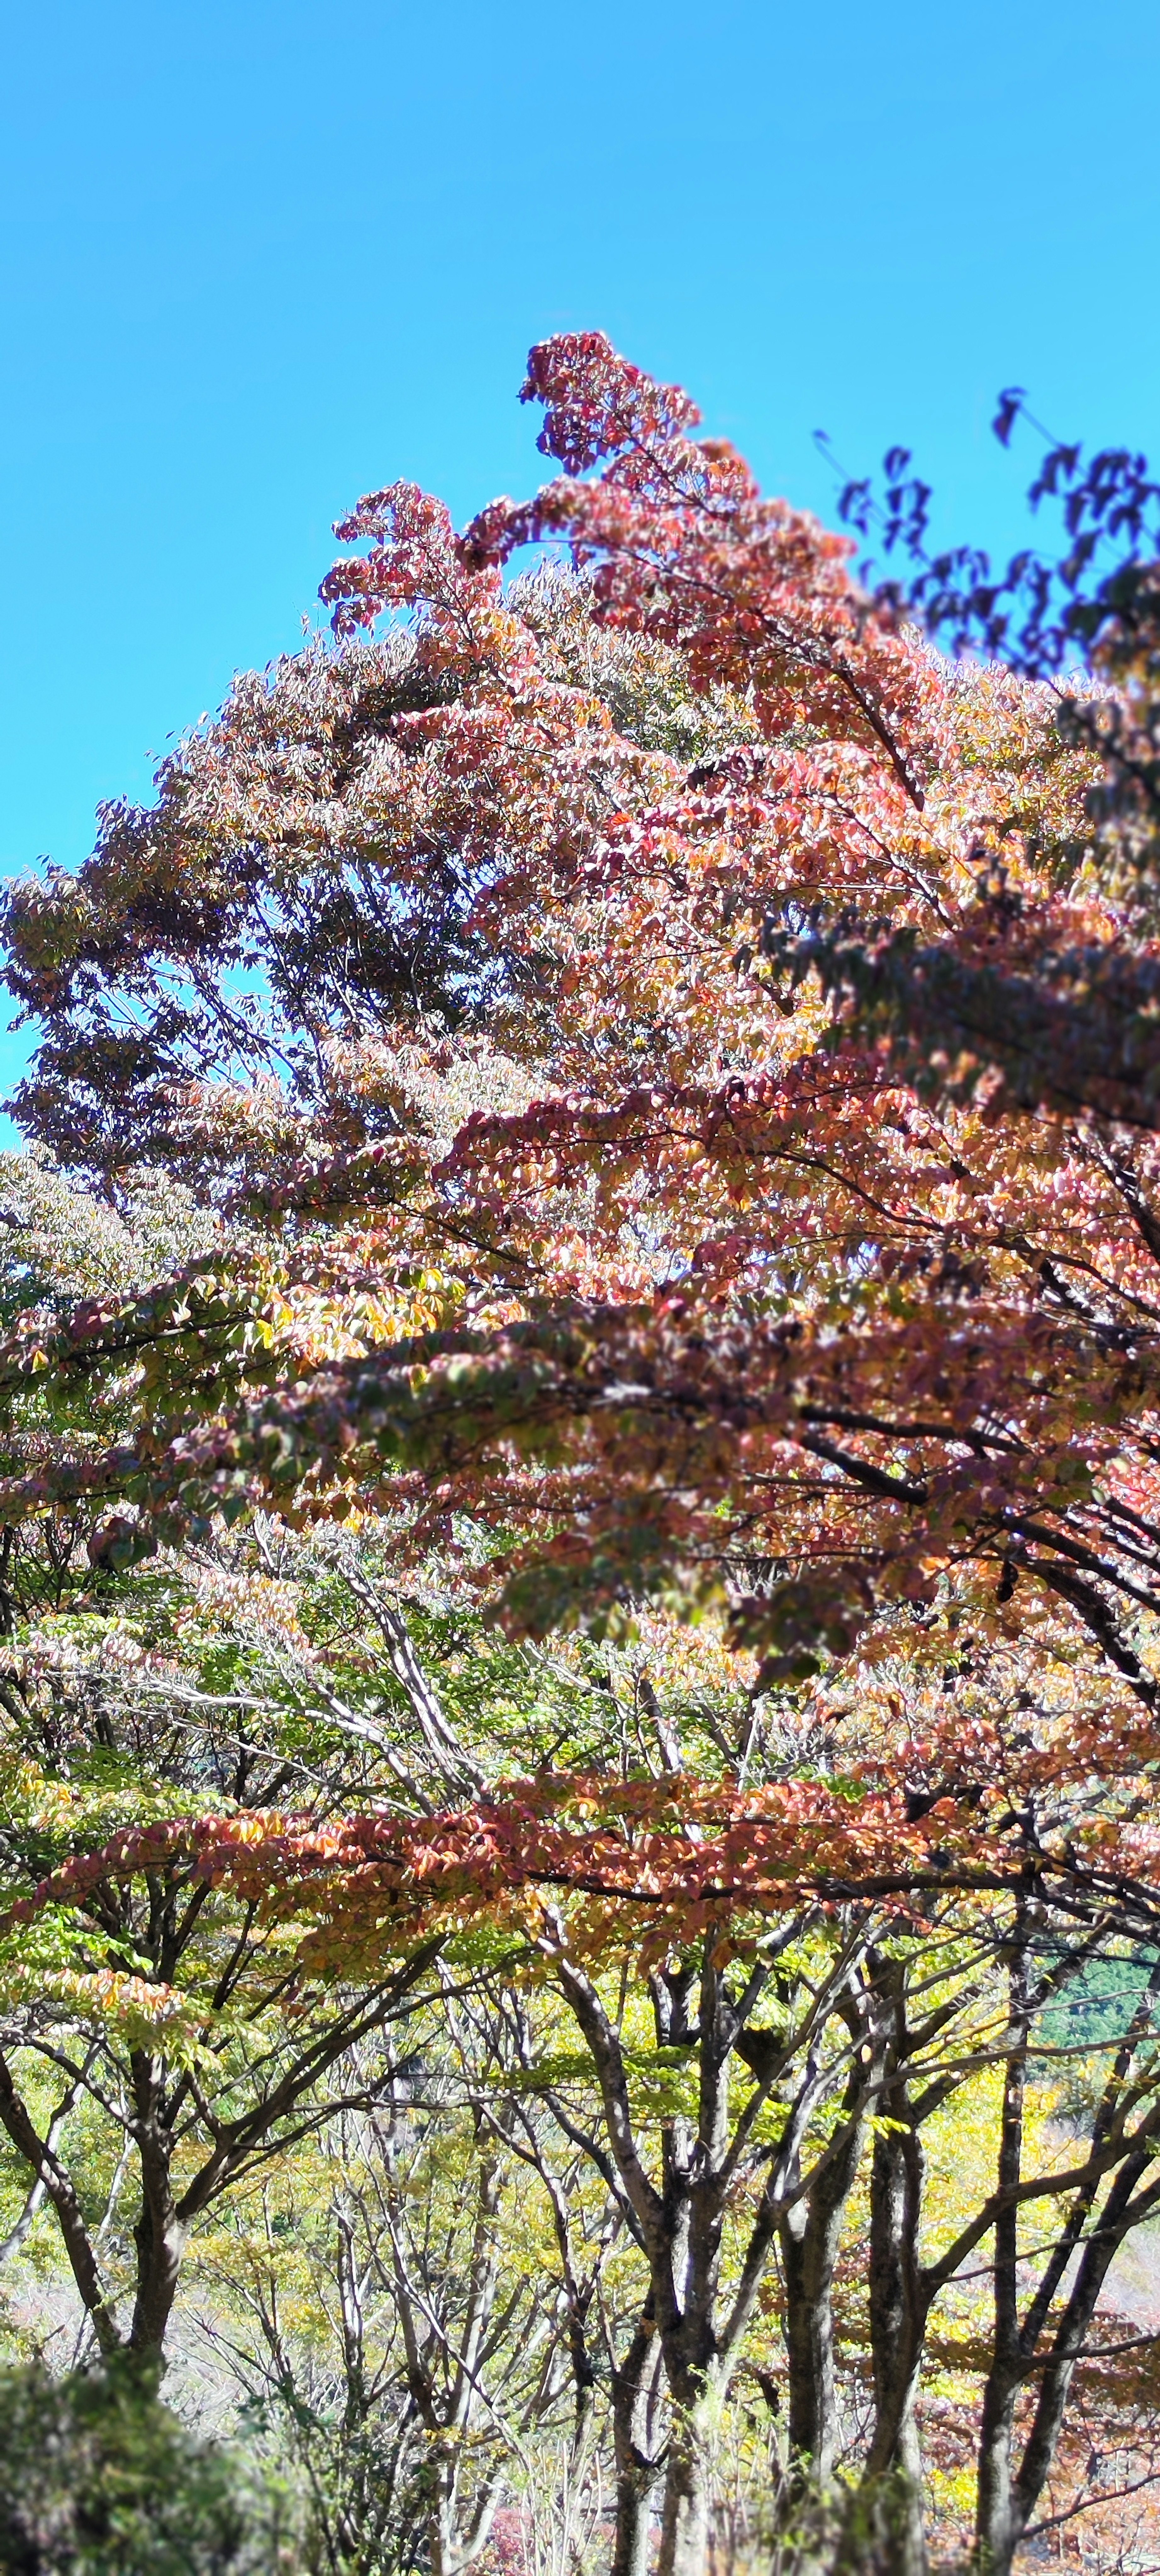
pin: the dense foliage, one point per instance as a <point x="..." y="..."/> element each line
<point x="98" y="2479"/>
<point x="581" y="1538"/>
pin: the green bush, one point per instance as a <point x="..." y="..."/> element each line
<point x="98" y="2478"/>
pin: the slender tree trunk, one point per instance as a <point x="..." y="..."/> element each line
<point x="685" y="2256"/>
<point x="41" y="2157"/>
<point x="685" y="2521"/>
<point x="689" y="2351"/>
<point x="634" y="2398"/>
<point x="996" y="2522"/>
<point x="1120" y="2212"/>
<point x="888" y="2510"/>
<point x="160" y="2245"/>
<point x="159" y="2234"/>
<point x="809" y="2349"/>
<point x="442" y="2519"/>
<point x="997" y="2519"/>
<point x="904" y="2517"/>
<point x="810" y="2237"/>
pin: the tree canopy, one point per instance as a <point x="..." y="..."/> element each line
<point x="581" y="1497"/>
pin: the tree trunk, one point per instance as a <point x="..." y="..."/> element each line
<point x="159" y="2251"/>
<point x="996" y="2521"/>
<point x="888" y="2508"/>
<point x="634" y="2398"/>
<point x="809" y="2349"/>
<point x="883" y="2526"/>
<point x="810" y="2235"/>
<point x="635" y="2489"/>
<point x="442" y="2520"/>
<point x="45" y="2165"/>
<point x="685" y="2522"/>
<point x="905" y="2519"/>
<point x="1120" y="2211"/>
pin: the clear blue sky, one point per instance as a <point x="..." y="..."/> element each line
<point x="256" y="256"/>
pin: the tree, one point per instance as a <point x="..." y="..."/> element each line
<point x="878" y="2015"/>
<point x="159" y="2008"/>
<point x="393" y="2312"/>
<point x="832" y="1345"/>
<point x="725" y="1180"/>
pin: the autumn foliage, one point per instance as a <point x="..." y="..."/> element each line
<point x="688" y="1137"/>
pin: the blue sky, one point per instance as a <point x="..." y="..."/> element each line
<point x="255" y="258"/>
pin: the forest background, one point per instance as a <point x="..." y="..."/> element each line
<point x="579" y="1552"/>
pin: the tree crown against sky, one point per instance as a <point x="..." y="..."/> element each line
<point x="757" y="1230"/>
